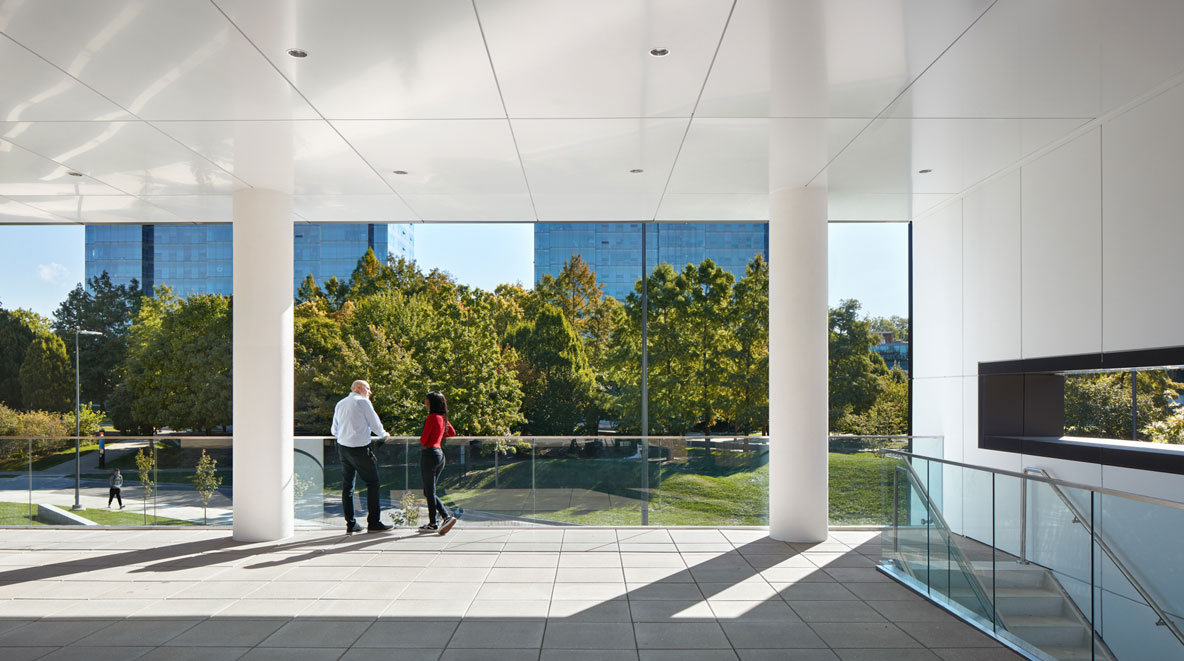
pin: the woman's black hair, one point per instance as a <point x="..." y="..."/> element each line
<point x="437" y="403"/>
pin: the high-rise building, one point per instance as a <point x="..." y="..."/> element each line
<point x="198" y="259"/>
<point x="612" y="250"/>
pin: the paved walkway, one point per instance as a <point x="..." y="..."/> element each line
<point x="89" y="463"/>
<point x="572" y="593"/>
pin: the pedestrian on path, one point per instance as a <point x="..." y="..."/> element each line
<point x="354" y="419"/>
<point x="431" y="460"/>
<point x="116" y="483"/>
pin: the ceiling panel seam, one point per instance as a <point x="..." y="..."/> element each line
<point x="502" y="98"/>
<point x="694" y="109"/>
<point x="315" y="109"/>
<point x="901" y="93"/>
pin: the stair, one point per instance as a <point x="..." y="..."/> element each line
<point x="1031" y="604"/>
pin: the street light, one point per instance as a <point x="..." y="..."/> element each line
<point x="78" y="419"/>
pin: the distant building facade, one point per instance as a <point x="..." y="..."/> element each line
<point x="198" y="259"/>
<point x="613" y="250"/>
<point x="894" y="352"/>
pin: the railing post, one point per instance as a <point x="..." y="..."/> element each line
<point x="645" y="480"/>
<point x="496" y="467"/>
<point x="1024" y="520"/>
<point x="895" y="512"/>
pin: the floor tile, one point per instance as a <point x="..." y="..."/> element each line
<point x="650" y="591"/>
<point x="317" y="633"/>
<point x="427" y="608"/>
<point x="835" y="611"/>
<point x="588" y="636"/>
<point x="680" y="636"/>
<point x="292" y="654"/>
<point x="753" y="611"/>
<point x="497" y="635"/>
<point x="615" y="610"/>
<point x="663" y="610"/>
<point x="345" y="608"/>
<point x="402" y="654"/>
<point x="138" y="633"/>
<point x="589" y="575"/>
<point x="743" y="591"/>
<point x="521" y="575"/>
<point x="230" y="632"/>
<point x="195" y="654"/>
<point x="887" y="655"/>
<point x="863" y="634"/>
<point x="814" y="591"/>
<point x="587" y="655"/>
<point x="941" y="634"/>
<point x="781" y="655"/>
<point x="686" y="655"/>
<point x="457" y="654"/>
<point x="54" y="633"/>
<point x="771" y="635"/>
<point x="912" y="610"/>
<point x="395" y="635"/>
<point x="370" y="590"/>
<point x="86" y="653"/>
<point x="508" y="609"/>
<point x="586" y="591"/>
<point x="515" y="591"/>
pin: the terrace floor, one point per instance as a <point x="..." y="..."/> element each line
<point x="487" y="593"/>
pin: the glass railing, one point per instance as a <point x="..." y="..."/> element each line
<point x="1056" y="569"/>
<point x="682" y="481"/>
<point x="43" y="483"/>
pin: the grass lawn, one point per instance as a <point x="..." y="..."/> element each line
<point x="43" y="459"/>
<point x="17" y="514"/>
<point x="129" y="517"/>
<point x="169" y="455"/>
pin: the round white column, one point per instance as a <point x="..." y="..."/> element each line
<point x="263" y="364"/>
<point x="798" y="346"/>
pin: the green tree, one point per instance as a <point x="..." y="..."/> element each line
<point x="17" y="330"/>
<point x="177" y="372"/>
<point x="309" y="291"/>
<point x="103" y="307"/>
<point x="895" y="324"/>
<point x="748" y="381"/>
<point x="1099" y="405"/>
<point x="144" y="464"/>
<point x="855" y="370"/>
<point x="888" y="415"/>
<point x="706" y="338"/>
<point x="557" y="382"/>
<point x="206" y="481"/>
<point x="46" y="378"/>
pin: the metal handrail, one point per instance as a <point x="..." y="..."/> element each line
<point x="976" y="585"/>
<point x="1079" y="517"/>
<point x="1048" y="480"/>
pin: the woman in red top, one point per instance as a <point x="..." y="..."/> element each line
<point x="431" y="460"/>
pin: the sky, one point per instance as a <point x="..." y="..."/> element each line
<point x="39" y="265"/>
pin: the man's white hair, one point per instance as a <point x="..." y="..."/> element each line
<point x="357" y="383"/>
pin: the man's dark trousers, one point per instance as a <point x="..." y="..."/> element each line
<point x="359" y="461"/>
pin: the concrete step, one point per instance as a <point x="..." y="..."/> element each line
<point x="1049" y="631"/>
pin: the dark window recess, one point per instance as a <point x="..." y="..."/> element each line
<point x="1021" y="408"/>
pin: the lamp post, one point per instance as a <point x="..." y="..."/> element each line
<point x="78" y="419"/>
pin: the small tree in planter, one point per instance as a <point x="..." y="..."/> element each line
<point x="206" y="480"/>
<point x="408" y="512"/>
<point x="144" y="466"/>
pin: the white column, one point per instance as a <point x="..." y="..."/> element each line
<point x="263" y="363"/>
<point x="798" y="365"/>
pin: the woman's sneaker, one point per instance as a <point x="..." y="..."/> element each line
<point x="428" y="527"/>
<point x="447" y="524"/>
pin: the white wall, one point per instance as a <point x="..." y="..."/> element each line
<point x="1075" y="251"/>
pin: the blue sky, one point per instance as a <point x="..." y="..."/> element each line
<point x="39" y="265"/>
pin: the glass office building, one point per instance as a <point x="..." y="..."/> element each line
<point x="198" y="259"/>
<point x="612" y="250"/>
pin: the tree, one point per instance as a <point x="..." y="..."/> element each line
<point x="102" y="307"/>
<point x="854" y="368"/>
<point x="177" y="371"/>
<point x="309" y="291"/>
<point x="46" y="377"/>
<point x="557" y="382"/>
<point x="206" y="481"/>
<point x="895" y="324"/>
<point x="17" y="330"/>
<point x="749" y="355"/>
<point x="144" y="464"/>
<point x="702" y="310"/>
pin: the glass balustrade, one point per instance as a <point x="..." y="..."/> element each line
<point x="1056" y="569"/>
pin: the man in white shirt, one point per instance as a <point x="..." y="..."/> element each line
<point x="354" y="419"/>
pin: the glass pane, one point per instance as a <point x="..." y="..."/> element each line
<point x="1146" y="539"/>
<point x="16" y="504"/>
<point x="856" y="478"/>
<point x="1053" y="587"/>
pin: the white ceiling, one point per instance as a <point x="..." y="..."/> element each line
<point x="537" y="110"/>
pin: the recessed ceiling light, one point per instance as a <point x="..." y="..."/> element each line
<point x="924" y="171"/>
<point x="400" y="172"/>
<point x="296" y="52"/>
<point x="636" y="171"/>
<point x="659" y="52"/>
<point x="74" y="174"/>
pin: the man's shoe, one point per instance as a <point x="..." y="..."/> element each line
<point x="353" y="528"/>
<point x="447" y="524"/>
<point x="379" y="527"/>
<point x="428" y="527"/>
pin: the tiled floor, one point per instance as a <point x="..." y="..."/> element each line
<point x="565" y="593"/>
